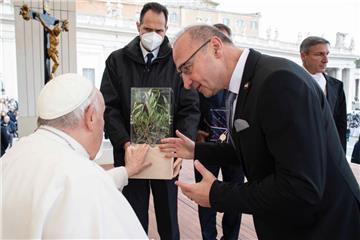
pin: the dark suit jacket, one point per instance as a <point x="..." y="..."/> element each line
<point x="355" y="156"/>
<point x="336" y="99"/>
<point x="5" y="139"/>
<point x="299" y="184"/>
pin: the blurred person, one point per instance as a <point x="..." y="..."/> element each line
<point x="11" y="128"/>
<point x="3" y="106"/>
<point x="213" y="128"/>
<point x="314" y="53"/>
<point x="300" y="185"/>
<point x="51" y="188"/>
<point x="355" y="157"/>
<point x="5" y="139"/>
<point x="147" y="62"/>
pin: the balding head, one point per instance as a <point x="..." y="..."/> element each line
<point x="202" y="33"/>
<point x="194" y="35"/>
<point x="205" y="57"/>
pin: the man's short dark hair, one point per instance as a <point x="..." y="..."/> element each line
<point x="156" y="7"/>
<point x="311" y="41"/>
<point x="223" y="27"/>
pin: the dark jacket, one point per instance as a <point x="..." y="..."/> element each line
<point x="125" y="68"/>
<point x="5" y="139"/>
<point x="336" y="98"/>
<point x="355" y="157"/>
<point x="300" y="185"/>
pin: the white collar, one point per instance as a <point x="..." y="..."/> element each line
<point x="238" y="72"/>
<point x="67" y="139"/>
<point x="320" y="79"/>
<point x="145" y="52"/>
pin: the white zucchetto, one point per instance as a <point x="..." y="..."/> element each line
<point x="63" y="95"/>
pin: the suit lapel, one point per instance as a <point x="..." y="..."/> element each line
<point x="330" y="92"/>
<point x="245" y="86"/>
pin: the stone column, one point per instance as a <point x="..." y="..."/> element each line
<point x="349" y="87"/>
<point x="338" y="74"/>
<point x="331" y="72"/>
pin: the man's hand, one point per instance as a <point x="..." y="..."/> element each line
<point x="181" y="147"/>
<point x="135" y="159"/>
<point x="126" y="145"/>
<point x="201" y="136"/>
<point x="177" y="167"/>
<point x="199" y="192"/>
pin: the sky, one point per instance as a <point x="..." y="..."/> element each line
<point x="309" y="17"/>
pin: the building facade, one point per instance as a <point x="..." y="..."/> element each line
<point x="103" y="26"/>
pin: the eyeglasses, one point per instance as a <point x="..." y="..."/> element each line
<point x="184" y="68"/>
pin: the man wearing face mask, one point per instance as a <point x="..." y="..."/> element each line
<point x="147" y="62"/>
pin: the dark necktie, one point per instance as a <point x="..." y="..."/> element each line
<point x="229" y="103"/>
<point x="149" y="56"/>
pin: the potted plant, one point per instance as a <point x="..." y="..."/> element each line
<point x="151" y="120"/>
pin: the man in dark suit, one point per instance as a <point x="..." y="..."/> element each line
<point x="5" y="139"/>
<point x="299" y="184"/>
<point x="213" y="128"/>
<point x="314" y="53"/>
<point x="355" y="156"/>
<point x="147" y="62"/>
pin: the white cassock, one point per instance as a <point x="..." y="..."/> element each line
<point x="50" y="189"/>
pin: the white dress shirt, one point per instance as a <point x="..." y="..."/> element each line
<point x="321" y="80"/>
<point x="145" y="52"/>
<point x="237" y="75"/>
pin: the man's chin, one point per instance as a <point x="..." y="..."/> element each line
<point x="207" y="93"/>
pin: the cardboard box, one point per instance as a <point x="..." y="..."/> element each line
<point x="161" y="167"/>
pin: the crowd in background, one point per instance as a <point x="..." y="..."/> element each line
<point x="9" y="108"/>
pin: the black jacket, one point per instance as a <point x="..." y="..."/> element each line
<point x="355" y="157"/>
<point x="5" y="139"/>
<point x="125" y="68"/>
<point x="336" y="98"/>
<point x="300" y="185"/>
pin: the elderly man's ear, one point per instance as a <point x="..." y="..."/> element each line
<point x="216" y="45"/>
<point x="89" y="117"/>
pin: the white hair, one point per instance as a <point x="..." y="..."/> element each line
<point x="72" y="119"/>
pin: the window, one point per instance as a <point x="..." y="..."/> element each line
<point x="226" y="21"/>
<point x="254" y="25"/>
<point x="173" y="18"/>
<point x="239" y="23"/>
<point x="89" y="73"/>
<point x="356" y="89"/>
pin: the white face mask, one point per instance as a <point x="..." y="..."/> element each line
<point x="151" y="40"/>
